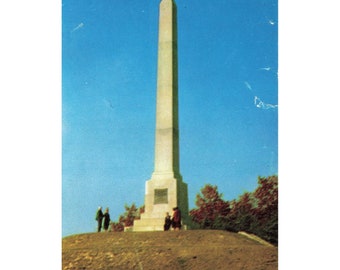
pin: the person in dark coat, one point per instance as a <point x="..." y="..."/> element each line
<point x="106" y="219"/>
<point x="167" y="222"/>
<point x="176" y="219"/>
<point x="99" y="218"/>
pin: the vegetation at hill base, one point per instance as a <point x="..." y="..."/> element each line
<point x="253" y="212"/>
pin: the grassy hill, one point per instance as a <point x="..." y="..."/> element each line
<point x="192" y="249"/>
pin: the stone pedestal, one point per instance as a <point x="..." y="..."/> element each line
<point x="162" y="195"/>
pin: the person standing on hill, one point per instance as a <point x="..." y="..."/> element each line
<point x="106" y="219"/>
<point x="99" y="218"/>
<point x="176" y="219"/>
<point x="167" y="222"/>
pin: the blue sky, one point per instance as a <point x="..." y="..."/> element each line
<point x="228" y="100"/>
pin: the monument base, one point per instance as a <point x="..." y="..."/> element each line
<point x="148" y="224"/>
<point x="162" y="193"/>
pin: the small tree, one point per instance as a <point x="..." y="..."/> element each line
<point x="131" y="213"/>
<point x="241" y="216"/>
<point x="211" y="209"/>
<point x="266" y="212"/>
<point x="118" y="226"/>
<point x="127" y="218"/>
<point x="267" y="197"/>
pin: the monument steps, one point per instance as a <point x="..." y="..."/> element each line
<point x="148" y="224"/>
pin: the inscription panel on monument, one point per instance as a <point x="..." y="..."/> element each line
<point x="161" y="196"/>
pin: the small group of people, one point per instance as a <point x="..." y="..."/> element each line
<point x="175" y="222"/>
<point x="103" y="219"/>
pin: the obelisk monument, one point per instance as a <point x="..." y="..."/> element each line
<point x="165" y="190"/>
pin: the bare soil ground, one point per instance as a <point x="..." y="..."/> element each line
<point x="192" y="249"/>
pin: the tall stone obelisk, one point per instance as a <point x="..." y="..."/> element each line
<point x="165" y="190"/>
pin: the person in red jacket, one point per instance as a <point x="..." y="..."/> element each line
<point x="176" y="219"/>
